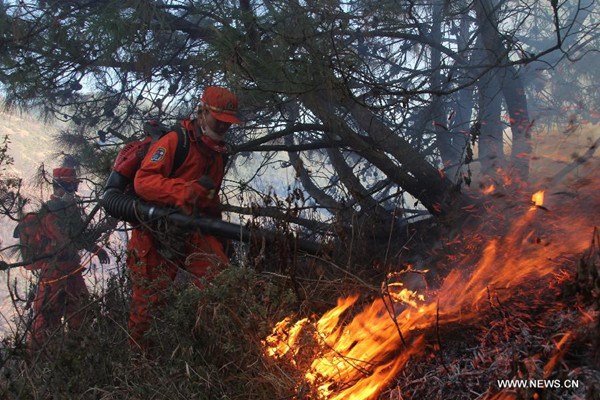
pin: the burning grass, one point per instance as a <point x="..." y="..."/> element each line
<point x="511" y="295"/>
<point x="541" y="331"/>
<point x="498" y="314"/>
<point x="214" y="343"/>
<point x="545" y="338"/>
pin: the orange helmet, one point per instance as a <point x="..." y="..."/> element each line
<point x="65" y="178"/>
<point x="221" y="103"/>
<point x="65" y="174"/>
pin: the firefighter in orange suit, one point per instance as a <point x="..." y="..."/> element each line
<point x="155" y="254"/>
<point x="61" y="232"/>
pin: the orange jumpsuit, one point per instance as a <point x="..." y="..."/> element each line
<point x="155" y="182"/>
<point x="61" y="291"/>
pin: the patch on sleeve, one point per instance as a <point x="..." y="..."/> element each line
<point x="159" y="154"/>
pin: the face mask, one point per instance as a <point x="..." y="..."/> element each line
<point x="219" y="146"/>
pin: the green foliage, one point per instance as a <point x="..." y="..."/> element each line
<point x="368" y="98"/>
<point x="207" y="346"/>
<point x="11" y="200"/>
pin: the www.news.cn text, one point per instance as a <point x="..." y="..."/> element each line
<point x="537" y="384"/>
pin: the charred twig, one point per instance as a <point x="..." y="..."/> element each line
<point x="501" y="310"/>
<point x="392" y="314"/>
<point x="437" y="335"/>
<point x="293" y="276"/>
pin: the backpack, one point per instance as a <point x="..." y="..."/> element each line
<point x="128" y="161"/>
<point x="130" y="158"/>
<point x="36" y="235"/>
<point x="119" y="196"/>
<point x="156" y="130"/>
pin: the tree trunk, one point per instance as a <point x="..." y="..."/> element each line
<point x="491" y="146"/>
<point x="511" y="87"/>
<point x="415" y="175"/>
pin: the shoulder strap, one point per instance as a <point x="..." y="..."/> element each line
<point x="183" y="147"/>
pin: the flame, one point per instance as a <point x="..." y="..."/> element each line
<point x="404" y="295"/>
<point x="284" y="337"/>
<point x="489" y="189"/>
<point x="537" y="199"/>
<point x="361" y="351"/>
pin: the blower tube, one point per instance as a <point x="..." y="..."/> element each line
<point x="129" y="208"/>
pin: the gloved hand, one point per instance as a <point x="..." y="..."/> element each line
<point x="198" y="194"/>
<point x="103" y="256"/>
<point x="207" y="182"/>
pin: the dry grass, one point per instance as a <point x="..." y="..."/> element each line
<point x="207" y="347"/>
<point x="208" y="342"/>
<point x="550" y="334"/>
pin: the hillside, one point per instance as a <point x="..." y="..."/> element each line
<point x="31" y="141"/>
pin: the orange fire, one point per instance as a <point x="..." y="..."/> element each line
<point x="358" y="359"/>
<point x="489" y="189"/>
<point x="537" y="199"/>
<point x="278" y="347"/>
